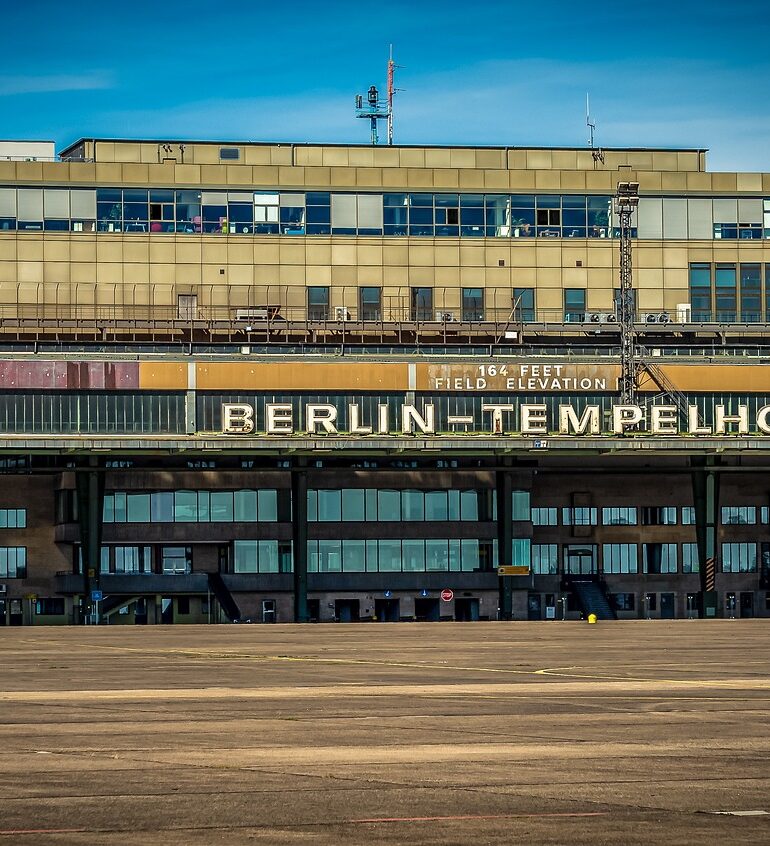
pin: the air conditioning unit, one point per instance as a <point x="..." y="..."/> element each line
<point x="601" y="317"/>
<point x="341" y="313"/>
<point x="655" y="317"/>
<point x="684" y="313"/>
<point x="3" y="590"/>
<point x="445" y="317"/>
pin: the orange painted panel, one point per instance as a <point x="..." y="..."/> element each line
<point x="737" y="378"/>
<point x="163" y="375"/>
<point x="300" y="376"/>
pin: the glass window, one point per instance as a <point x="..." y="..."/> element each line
<point x="267" y="506"/>
<point x="472" y="304"/>
<point x="657" y="515"/>
<point x="329" y="556"/>
<point x="244" y="556"/>
<point x="619" y="558"/>
<point x="390" y="556"/>
<point x="725" y="291"/>
<point x="735" y="515"/>
<point x="421" y="303"/>
<point x="545" y="516"/>
<point x="701" y="301"/>
<point x="185" y="506"/>
<point x="221" y="506"/>
<point x="624" y="516"/>
<point x="470" y="555"/>
<point x="13" y="562"/>
<point x="524" y="304"/>
<point x="469" y="505"/>
<point x="522" y="552"/>
<point x="370" y="303"/>
<point x="388" y="506"/>
<point x="267" y="556"/>
<point x="329" y="506"/>
<point x="353" y="510"/>
<point x="162" y="507"/>
<point x="688" y="515"/>
<point x="579" y="516"/>
<point x="520" y="502"/>
<point x="751" y="292"/>
<point x="176" y="560"/>
<point x="413" y="554"/>
<point x="659" y="558"/>
<point x="437" y="555"/>
<point x="138" y="508"/>
<point x="574" y="305"/>
<point x="412" y="505"/>
<point x="354" y="556"/>
<point x="545" y="559"/>
<point x="318" y="302"/>
<point x="245" y="506"/>
<point x="436" y="505"/>
<point x="119" y="499"/>
<point x="739" y="557"/>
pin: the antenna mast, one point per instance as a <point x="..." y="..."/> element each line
<point x="598" y="154"/>
<point x="375" y="109"/>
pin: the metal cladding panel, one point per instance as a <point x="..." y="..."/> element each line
<point x="7" y="202"/>
<point x="163" y="376"/>
<point x="69" y="375"/>
<point x="675" y="218"/>
<point x="729" y="379"/>
<point x="650" y="218"/>
<point x="297" y="376"/>
<point x="700" y="219"/>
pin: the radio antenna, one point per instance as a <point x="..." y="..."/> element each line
<point x="596" y="152"/>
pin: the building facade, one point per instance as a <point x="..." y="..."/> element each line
<point x="279" y="382"/>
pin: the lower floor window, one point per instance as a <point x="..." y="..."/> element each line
<point x="13" y="562"/>
<point x="49" y="606"/>
<point x="264" y="556"/>
<point x="624" y="601"/>
<point x="619" y="558"/>
<point x="545" y="559"/>
<point x="397" y="556"/>
<point x="739" y="557"/>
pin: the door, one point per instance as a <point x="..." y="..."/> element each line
<point x="16" y="616"/>
<point x="187" y="307"/>
<point x="667" y="606"/>
<point x="534" y="610"/>
<point x="427" y="610"/>
<point x="466" y="609"/>
<point x="347" y="610"/>
<point x="580" y="560"/>
<point x="747" y="604"/>
<point x="268" y="611"/>
<point x="387" y="610"/>
<point x="166" y="610"/>
<point x="2" y="612"/>
<point x="314" y="610"/>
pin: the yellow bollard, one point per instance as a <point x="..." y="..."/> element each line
<point x="592" y="618"/>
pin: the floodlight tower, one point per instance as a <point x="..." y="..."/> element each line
<point x="626" y="201"/>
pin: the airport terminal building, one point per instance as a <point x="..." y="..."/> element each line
<point x="277" y="382"/>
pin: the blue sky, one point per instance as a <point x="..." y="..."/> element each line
<point x="676" y="73"/>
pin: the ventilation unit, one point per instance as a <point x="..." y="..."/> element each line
<point x="341" y="313"/>
<point x="445" y="316"/>
<point x="684" y="313"/>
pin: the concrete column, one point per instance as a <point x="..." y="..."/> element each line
<point x="299" y="538"/>
<point x="705" y="488"/>
<point x="505" y="541"/>
<point x="89" y="482"/>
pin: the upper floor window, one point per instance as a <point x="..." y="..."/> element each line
<point x="579" y="516"/>
<point x="625" y="516"/>
<point x="13" y="518"/>
<point x="739" y="515"/>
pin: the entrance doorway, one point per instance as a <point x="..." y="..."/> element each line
<point x="16" y="616"/>
<point x="314" y="610"/>
<point x="747" y="604"/>
<point x="387" y="610"/>
<point x="466" y="609"/>
<point x="667" y="606"/>
<point x="427" y="610"/>
<point x="167" y="610"/>
<point x="347" y="610"/>
<point x="534" y="610"/>
<point x="580" y="559"/>
<point x="268" y="611"/>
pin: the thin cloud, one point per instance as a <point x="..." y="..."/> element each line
<point x="12" y="85"/>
